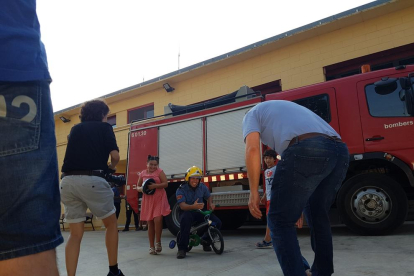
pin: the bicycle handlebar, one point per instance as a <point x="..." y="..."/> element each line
<point x="208" y="212"/>
<point x="204" y="213"/>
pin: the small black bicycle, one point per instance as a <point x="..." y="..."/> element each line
<point x="217" y="242"/>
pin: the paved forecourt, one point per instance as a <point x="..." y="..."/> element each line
<point x="353" y="255"/>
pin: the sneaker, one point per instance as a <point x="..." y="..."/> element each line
<point x="119" y="273"/>
<point x="206" y="245"/>
<point x="264" y="244"/>
<point x="138" y="229"/>
<point x="125" y="230"/>
<point x="181" y="254"/>
<point x="206" y="248"/>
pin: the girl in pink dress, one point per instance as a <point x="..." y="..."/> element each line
<point x="155" y="206"/>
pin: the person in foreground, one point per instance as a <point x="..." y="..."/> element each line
<point x="190" y="197"/>
<point x="313" y="165"/>
<point x="29" y="198"/>
<point x="269" y="157"/>
<point x="83" y="184"/>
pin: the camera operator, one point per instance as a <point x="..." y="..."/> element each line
<point x="83" y="182"/>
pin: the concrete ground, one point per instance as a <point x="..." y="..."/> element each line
<point x="353" y="255"/>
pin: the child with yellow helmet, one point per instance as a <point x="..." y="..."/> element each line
<point x="191" y="196"/>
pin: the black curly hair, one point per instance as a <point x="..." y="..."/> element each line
<point x="94" y="110"/>
<point x="270" y="153"/>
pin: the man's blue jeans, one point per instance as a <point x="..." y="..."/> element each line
<point x="29" y="187"/>
<point x="307" y="179"/>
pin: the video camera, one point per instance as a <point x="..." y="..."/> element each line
<point x="117" y="180"/>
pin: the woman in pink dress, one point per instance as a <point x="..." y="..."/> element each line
<point x="155" y="206"/>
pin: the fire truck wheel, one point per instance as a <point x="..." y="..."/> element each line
<point x="372" y="204"/>
<point x="173" y="219"/>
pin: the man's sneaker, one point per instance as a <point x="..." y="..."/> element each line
<point x="125" y="230"/>
<point x="119" y="273"/>
<point x="181" y="254"/>
<point x="264" y="244"/>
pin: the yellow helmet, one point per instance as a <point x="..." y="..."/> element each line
<point x="195" y="172"/>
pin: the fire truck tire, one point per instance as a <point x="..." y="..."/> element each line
<point x="372" y="204"/>
<point x="173" y="219"/>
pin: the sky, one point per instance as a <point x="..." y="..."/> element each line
<point x="96" y="47"/>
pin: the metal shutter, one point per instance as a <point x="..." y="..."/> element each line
<point x="225" y="145"/>
<point x="181" y="146"/>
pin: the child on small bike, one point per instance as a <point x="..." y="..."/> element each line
<point x="190" y="196"/>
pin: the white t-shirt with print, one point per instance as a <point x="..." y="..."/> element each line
<point x="269" y="174"/>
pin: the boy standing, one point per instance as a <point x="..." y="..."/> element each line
<point x="270" y="160"/>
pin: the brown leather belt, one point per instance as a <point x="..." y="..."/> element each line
<point x="312" y="135"/>
<point x="99" y="173"/>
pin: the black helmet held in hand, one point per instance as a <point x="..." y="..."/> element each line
<point x="145" y="186"/>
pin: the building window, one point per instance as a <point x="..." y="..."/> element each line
<point x="318" y="104"/>
<point x="141" y="112"/>
<point x="403" y="55"/>
<point x="112" y="120"/>
<point x="386" y="102"/>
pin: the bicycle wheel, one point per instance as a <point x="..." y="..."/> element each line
<point x="217" y="242"/>
<point x="178" y="240"/>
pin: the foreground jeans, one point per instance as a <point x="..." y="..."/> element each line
<point x="29" y="187"/>
<point x="306" y="179"/>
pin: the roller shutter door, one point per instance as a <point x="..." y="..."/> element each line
<point x="181" y="146"/>
<point x="225" y="145"/>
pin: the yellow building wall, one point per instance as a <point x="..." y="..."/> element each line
<point x="296" y="65"/>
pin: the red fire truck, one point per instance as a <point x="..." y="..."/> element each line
<point x="373" y="112"/>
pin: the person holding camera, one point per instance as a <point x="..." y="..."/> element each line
<point x="154" y="205"/>
<point x="84" y="185"/>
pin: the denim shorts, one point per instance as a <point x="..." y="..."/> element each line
<point x="29" y="197"/>
<point x="79" y="192"/>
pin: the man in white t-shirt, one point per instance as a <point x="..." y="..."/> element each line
<point x="313" y="164"/>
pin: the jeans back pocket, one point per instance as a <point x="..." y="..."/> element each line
<point x="20" y="117"/>
<point x="308" y="166"/>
